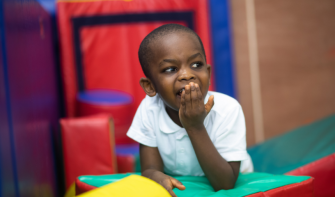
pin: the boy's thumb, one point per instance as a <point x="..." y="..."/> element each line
<point x="177" y="184"/>
<point x="210" y="103"/>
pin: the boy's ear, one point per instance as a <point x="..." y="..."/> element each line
<point x="209" y="70"/>
<point x="147" y="86"/>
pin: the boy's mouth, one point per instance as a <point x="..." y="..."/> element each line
<point x="180" y="91"/>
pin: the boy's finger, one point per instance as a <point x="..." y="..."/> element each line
<point x="209" y="104"/>
<point x="182" y="105"/>
<point x="187" y="97"/>
<point x="198" y="92"/>
<point x="194" y="95"/>
<point x="182" y="99"/>
<point x="167" y="184"/>
<point x="199" y="95"/>
<point x="171" y="193"/>
<point x="177" y="184"/>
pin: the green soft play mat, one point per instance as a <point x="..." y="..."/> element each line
<point x="199" y="186"/>
<point x="296" y="148"/>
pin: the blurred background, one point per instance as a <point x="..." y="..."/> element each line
<point x="277" y="58"/>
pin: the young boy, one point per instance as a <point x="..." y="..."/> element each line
<point x="182" y="128"/>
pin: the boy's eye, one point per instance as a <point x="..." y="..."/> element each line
<point x="171" y="69"/>
<point x="197" y="65"/>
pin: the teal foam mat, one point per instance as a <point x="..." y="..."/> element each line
<point x="294" y="149"/>
<point x="199" y="186"/>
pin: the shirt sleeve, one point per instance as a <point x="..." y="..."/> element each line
<point x="141" y="129"/>
<point x="230" y="138"/>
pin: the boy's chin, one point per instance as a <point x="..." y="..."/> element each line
<point x="171" y="107"/>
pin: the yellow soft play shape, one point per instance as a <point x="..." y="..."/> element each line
<point x="133" y="185"/>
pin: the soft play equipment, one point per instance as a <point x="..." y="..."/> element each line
<point x="133" y="185"/>
<point x="99" y="41"/>
<point x="88" y="146"/>
<point x="308" y="150"/>
<point x="116" y="103"/>
<point x="128" y="158"/>
<point x="323" y="171"/>
<point x="252" y="184"/>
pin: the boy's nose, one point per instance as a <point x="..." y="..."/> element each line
<point x="186" y="75"/>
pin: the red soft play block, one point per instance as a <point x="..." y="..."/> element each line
<point x="305" y="189"/>
<point x="125" y="163"/>
<point x="99" y="41"/>
<point x="82" y="187"/>
<point x="88" y="147"/>
<point x="323" y="171"/>
<point x="120" y="114"/>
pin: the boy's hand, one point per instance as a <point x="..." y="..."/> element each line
<point x="167" y="182"/>
<point x="193" y="111"/>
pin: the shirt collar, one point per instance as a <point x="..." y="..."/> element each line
<point x="166" y="124"/>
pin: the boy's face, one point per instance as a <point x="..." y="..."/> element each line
<point x="177" y="60"/>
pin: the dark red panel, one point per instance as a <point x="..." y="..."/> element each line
<point x="323" y="171"/>
<point x="28" y="100"/>
<point x="88" y="147"/>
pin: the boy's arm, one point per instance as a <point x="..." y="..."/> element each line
<point x="220" y="173"/>
<point x="152" y="168"/>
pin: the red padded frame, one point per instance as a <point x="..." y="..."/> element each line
<point x="82" y="187"/>
<point x="323" y="170"/>
<point x="88" y="147"/>
<point x="131" y="70"/>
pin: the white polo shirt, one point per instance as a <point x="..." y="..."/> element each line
<point x="225" y="126"/>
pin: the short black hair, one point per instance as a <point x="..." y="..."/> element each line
<point x="144" y="52"/>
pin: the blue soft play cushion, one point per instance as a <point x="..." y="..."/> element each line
<point x="127" y="149"/>
<point x="108" y="97"/>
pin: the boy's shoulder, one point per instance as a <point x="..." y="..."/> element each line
<point x="223" y="103"/>
<point x="151" y="102"/>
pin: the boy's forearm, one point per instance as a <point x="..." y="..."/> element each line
<point x="150" y="159"/>
<point x="218" y="171"/>
<point x="192" y="113"/>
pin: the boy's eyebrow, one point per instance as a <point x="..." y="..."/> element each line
<point x="175" y="61"/>
<point x="168" y="60"/>
<point x="194" y="56"/>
